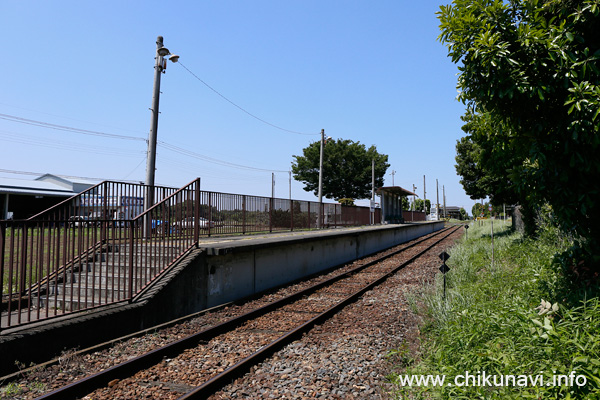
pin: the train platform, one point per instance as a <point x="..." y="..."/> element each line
<point x="219" y="271"/>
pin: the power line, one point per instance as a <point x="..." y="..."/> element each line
<point x="70" y="118"/>
<point x="63" y="145"/>
<point x="212" y="160"/>
<point x="242" y="109"/>
<point x="166" y="145"/>
<point x="211" y="171"/>
<point x="133" y="170"/>
<point x="66" y="128"/>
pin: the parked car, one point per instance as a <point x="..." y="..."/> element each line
<point x="156" y="223"/>
<point x="78" y="220"/>
<point x="188" y="224"/>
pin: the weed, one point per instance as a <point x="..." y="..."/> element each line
<point x="11" y="389"/>
<point x="38" y="387"/>
<point x="401" y="356"/>
<point x="515" y="317"/>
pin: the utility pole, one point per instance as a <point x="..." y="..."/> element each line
<point x="273" y="185"/>
<point x="159" y="68"/>
<point x="290" y="184"/>
<point x="321" y="179"/>
<point x="151" y="161"/>
<point x="372" y="208"/>
<point x="424" y="199"/>
<point x="444" y="199"/>
<point x="437" y="201"/>
<point x="393" y="173"/>
<point x="414" y="206"/>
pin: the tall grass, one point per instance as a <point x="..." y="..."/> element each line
<point x="515" y="317"/>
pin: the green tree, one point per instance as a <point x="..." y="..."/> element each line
<point x="533" y="66"/>
<point x="480" y="210"/>
<point x="463" y="214"/>
<point x="486" y="170"/>
<point x="405" y="203"/>
<point x="489" y="166"/>
<point x="468" y="167"/>
<point x="477" y="210"/>
<point x="419" y="205"/>
<point x="346" y="169"/>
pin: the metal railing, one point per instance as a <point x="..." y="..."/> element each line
<point x="105" y="245"/>
<point x="70" y="256"/>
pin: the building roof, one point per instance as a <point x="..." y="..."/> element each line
<point x="395" y="190"/>
<point x="67" y="181"/>
<point x="453" y="208"/>
<point x="37" y="187"/>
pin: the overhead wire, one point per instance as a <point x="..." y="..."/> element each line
<point x="164" y="144"/>
<point x="59" y="144"/>
<point x="210" y="172"/>
<point x="66" y="128"/>
<point x="70" y="118"/>
<point x="192" y="154"/>
<point x="136" y="167"/>
<point x="241" y="108"/>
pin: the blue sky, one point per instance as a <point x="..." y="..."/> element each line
<point x="371" y="72"/>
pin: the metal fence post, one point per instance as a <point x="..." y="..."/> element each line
<point x="271" y="214"/>
<point x="336" y="210"/>
<point x="292" y="214"/>
<point x="244" y="214"/>
<point x="197" y="212"/>
<point x="2" y="247"/>
<point x="23" y="262"/>
<point x="131" y="247"/>
<point x="103" y="214"/>
<point x="209" y="211"/>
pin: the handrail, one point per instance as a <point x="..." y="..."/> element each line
<point x="90" y="191"/>
<point x="56" y="206"/>
<point x="166" y="199"/>
<point x="41" y="251"/>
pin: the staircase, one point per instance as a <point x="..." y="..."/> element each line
<point x="105" y="277"/>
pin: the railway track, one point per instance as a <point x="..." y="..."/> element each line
<point x="206" y="361"/>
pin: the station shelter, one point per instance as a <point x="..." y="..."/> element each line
<point x="391" y="203"/>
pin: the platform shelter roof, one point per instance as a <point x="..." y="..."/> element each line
<point x="397" y="190"/>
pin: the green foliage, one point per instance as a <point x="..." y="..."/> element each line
<point x="346" y="169"/>
<point x="468" y="167"/>
<point x="12" y="389"/>
<point x="419" y="205"/>
<point x="532" y="68"/>
<point x="346" y="202"/>
<point x="405" y="203"/>
<point x="463" y="214"/>
<point x="486" y="169"/>
<point x="283" y="218"/>
<point x="478" y="209"/>
<point x="517" y="316"/>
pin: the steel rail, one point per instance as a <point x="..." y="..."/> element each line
<point x="263" y="310"/>
<point x="235" y="371"/>
<point x="100" y="379"/>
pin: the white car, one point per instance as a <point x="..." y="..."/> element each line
<point x="188" y="223"/>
